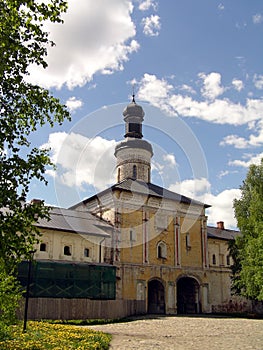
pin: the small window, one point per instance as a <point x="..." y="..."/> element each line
<point x="228" y="260"/>
<point x="161" y="250"/>
<point x="67" y="250"/>
<point x="119" y="175"/>
<point x="134" y="172"/>
<point x="86" y="252"/>
<point x="214" y="259"/>
<point x="43" y="247"/>
<point x="132" y="235"/>
<point x="187" y="241"/>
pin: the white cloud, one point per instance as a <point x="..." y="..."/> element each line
<point x="212" y="85"/>
<point x="157" y="166"/>
<point x="160" y="94"/>
<point x="251" y="125"/>
<point x="221" y="7"/>
<point x="169" y="159"/>
<point x="151" y="25"/>
<point x="154" y="90"/>
<point x="241" y="142"/>
<point x="73" y="103"/>
<point x="187" y="88"/>
<point x="193" y="188"/>
<point x="238" y="84"/>
<point x="223" y="173"/>
<point x="81" y="160"/>
<point x="234" y="140"/>
<point x="147" y="4"/>
<point x="94" y="38"/>
<point x="251" y="159"/>
<point x="222" y="207"/>
<point x="258" y="81"/>
<point x="221" y="204"/>
<point x="257" y="18"/>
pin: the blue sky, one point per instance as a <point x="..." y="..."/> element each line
<point x="196" y="68"/>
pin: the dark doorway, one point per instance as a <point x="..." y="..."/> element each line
<point x="188" y="296"/>
<point x="156" y="297"/>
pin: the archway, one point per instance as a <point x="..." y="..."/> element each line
<point x="156" y="297"/>
<point x="188" y="296"/>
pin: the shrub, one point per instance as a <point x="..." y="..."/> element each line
<point x="10" y="295"/>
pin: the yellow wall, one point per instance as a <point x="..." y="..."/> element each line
<point x="191" y="255"/>
<point x="132" y="224"/>
<point x="56" y="240"/>
<point x="218" y="248"/>
<point x="140" y="218"/>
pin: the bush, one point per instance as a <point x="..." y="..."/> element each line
<point x="5" y="332"/>
<point x="10" y="294"/>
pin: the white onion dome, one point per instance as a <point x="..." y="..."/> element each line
<point x="133" y="111"/>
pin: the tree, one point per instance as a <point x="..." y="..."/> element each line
<point x="247" y="249"/>
<point x="24" y="108"/>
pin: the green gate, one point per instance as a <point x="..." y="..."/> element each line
<point x="69" y="280"/>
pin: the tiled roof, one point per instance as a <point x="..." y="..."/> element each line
<point x="149" y="189"/>
<point x="225" y="234"/>
<point x="75" y="221"/>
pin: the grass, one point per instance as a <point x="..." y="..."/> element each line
<point x="88" y="322"/>
<point x="46" y="336"/>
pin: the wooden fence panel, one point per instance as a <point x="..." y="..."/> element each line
<point x="81" y="309"/>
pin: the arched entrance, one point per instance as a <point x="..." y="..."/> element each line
<point x="156" y="297"/>
<point x="188" y="296"/>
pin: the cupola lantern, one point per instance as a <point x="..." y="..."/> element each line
<point x="133" y="154"/>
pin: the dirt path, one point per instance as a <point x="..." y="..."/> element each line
<point x="183" y="333"/>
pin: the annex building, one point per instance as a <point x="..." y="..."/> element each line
<point x="157" y="241"/>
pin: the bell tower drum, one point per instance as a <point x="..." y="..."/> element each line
<point x="133" y="154"/>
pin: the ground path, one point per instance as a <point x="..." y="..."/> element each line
<point x="181" y="333"/>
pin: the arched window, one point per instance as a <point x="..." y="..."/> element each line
<point x="43" y="247"/>
<point x="134" y="172"/>
<point x="214" y="259"/>
<point x="161" y="250"/>
<point x="67" y="250"/>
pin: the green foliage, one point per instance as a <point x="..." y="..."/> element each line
<point x="5" y="332"/>
<point x="43" y="336"/>
<point x="88" y="322"/>
<point x="24" y="108"/>
<point x="247" y="250"/>
<point x="10" y="295"/>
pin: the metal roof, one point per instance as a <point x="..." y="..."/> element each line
<point x="225" y="234"/>
<point x="134" y="143"/>
<point x="75" y="221"/>
<point x="149" y="189"/>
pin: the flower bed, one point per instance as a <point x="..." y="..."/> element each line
<point x="45" y="336"/>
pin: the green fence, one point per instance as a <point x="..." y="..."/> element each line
<point x="69" y="280"/>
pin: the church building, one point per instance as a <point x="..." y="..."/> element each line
<point x="163" y="251"/>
